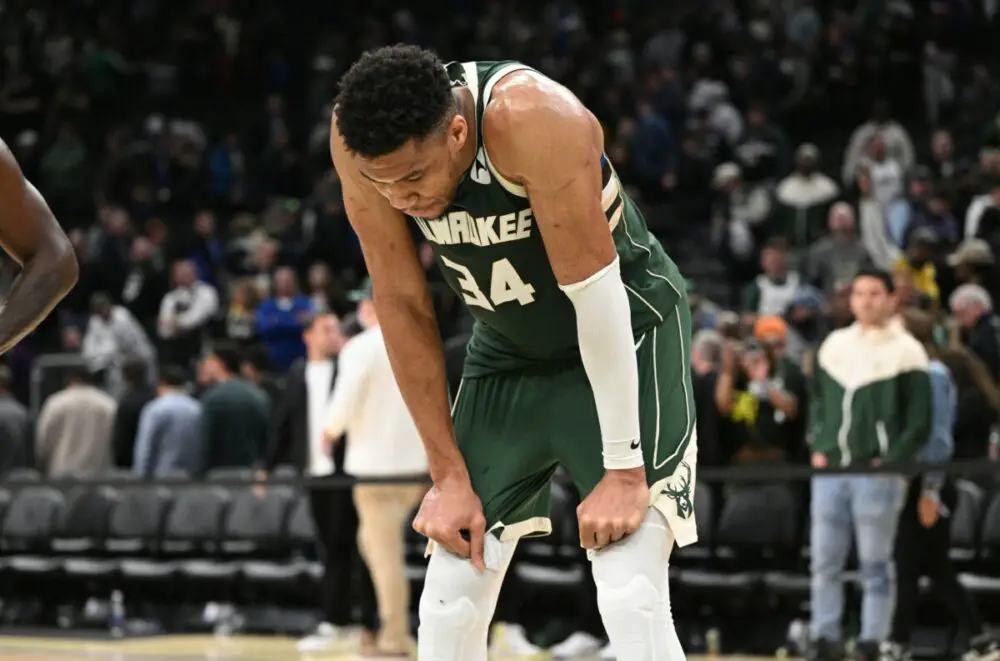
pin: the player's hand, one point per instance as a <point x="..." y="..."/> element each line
<point x="449" y="509"/>
<point x="614" y="509"/>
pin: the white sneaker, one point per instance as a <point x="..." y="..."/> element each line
<point x="510" y="640"/>
<point x="578" y="644"/>
<point x="326" y="638"/>
<point x="607" y="654"/>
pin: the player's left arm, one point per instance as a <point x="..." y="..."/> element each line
<point x="542" y="137"/>
<point x="30" y="235"/>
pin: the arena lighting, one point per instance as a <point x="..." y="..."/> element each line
<point x="747" y="473"/>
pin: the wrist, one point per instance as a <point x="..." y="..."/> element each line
<point x="628" y="475"/>
<point x="449" y="473"/>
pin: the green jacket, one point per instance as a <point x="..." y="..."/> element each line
<point x="871" y="396"/>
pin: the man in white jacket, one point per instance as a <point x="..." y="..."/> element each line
<point x="114" y="337"/>
<point x="382" y="441"/>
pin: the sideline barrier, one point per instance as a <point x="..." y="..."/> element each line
<point x="772" y="473"/>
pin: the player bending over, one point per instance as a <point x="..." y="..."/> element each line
<point x="32" y="237"/>
<point x="580" y="351"/>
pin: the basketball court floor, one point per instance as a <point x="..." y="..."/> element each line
<point x="185" y="648"/>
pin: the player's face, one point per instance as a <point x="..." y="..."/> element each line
<point x="420" y="178"/>
<point x="871" y="302"/>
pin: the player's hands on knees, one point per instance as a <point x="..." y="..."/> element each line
<point x="614" y="509"/>
<point x="452" y="515"/>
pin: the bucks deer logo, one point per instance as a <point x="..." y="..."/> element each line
<point x="680" y="491"/>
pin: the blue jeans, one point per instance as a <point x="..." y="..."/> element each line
<point x="867" y="506"/>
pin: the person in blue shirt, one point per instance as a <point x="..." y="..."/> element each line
<point x="923" y="540"/>
<point x="280" y="321"/>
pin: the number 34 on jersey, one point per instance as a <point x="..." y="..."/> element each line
<point x="505" y="285"/>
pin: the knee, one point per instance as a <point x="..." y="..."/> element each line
<point x="877" y="576"/>
<point x="825" y="565"/>
<point x="456" y="607"/>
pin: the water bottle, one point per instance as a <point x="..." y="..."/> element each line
<point x="713" y="642"/>
<point x="116" y="615"/>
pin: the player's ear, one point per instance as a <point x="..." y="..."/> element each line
<point x="457" y="131"/>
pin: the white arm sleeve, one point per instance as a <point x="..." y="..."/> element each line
<point x="607" y="349"/>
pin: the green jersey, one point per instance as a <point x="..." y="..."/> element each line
<point x="491" y="254"/>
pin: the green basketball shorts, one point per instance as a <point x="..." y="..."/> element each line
<point x="514" y="429"/>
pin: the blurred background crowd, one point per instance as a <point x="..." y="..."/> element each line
<point x="776" y="146"/>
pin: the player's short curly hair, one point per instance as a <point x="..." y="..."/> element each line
<point x="390" y="96"/>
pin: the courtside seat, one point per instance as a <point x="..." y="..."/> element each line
<point x="966" y="522"/>
<point x="299" y="533"/>
<point x="83" y="533"/>
<point x="17" y="478"/>
<point x="255" y="527"/>
<point x="986" y="581"/>
<point x="191" y="533"/>
<point x="85" y="523"/>
<point x="29" y="526"/>
<point x="137" y="522"/>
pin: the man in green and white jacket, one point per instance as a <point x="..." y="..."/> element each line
<point x="870" y="406"/>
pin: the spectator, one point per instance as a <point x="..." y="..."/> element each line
<point x="15" y="426"/>
<point x="299" y="442"/>
<point x="280" y="321"/>
<point x="761" y="397"/>
<point x="707" y="350"/>
<point x="73" y="434"/>
<point x="924" y="538"/>
<point x="772" y="291"/>
<point x="114" y="337"/>
<point x="145" y="285"/>
<point x="917" y="265"/>
<point x="241" y="316"/>
<point x="235" y="418"/>
<point x="169" y="430"/>
<point x="874" y="230"/>
<point x="185" y="314"/>
<point x="834" y="260"/>
<point x="978" y="208"/>
<point x="974" y="263"/>
<point x="762" y="152"/>
<point x="137" y="393"/>
<point x="803" y="199"/>
<point x="382" y="441"/>
<point x="324" y="291"/>
<point x="256" y="369"/>
<point x="894" y="141"/>
<point x="887" y="175"/>
<point x="870" y="405"/>
<point x="973" y="310"/>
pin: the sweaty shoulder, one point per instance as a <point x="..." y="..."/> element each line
<point x="532" y="123"/>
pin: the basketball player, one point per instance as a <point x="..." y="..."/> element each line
<point x="579" y="355"/>
<point x="31" y="236"/>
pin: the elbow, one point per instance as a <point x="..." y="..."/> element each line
<point x="58" y="259"/>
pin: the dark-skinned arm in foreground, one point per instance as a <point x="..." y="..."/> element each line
<point x="31" y="236"/>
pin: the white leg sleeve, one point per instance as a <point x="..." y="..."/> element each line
<point x="633" y="593"/>
<point x="457" y="604"/>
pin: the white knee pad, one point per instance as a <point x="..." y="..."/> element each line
<point x="457" y="604"/>
<point x="632" y="593"/>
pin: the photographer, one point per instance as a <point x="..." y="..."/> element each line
<point x="761" y="395"/>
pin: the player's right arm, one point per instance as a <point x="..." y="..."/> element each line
<point x="406" y="316"/>
<point x="31" y="236"/>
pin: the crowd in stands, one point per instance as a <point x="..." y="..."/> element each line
<point x="183" y="146"/>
